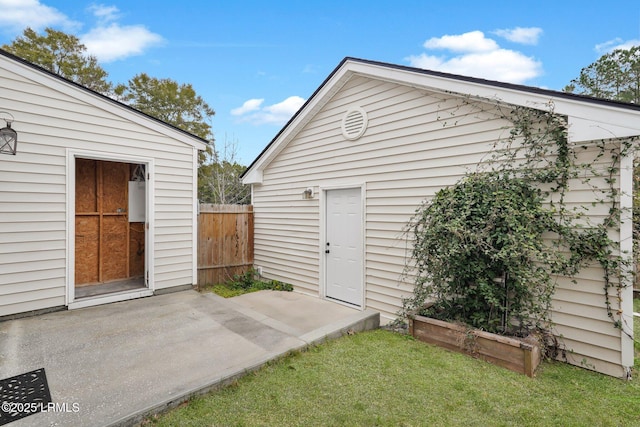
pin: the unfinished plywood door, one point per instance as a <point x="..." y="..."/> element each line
<point x="87" y="240"/>
<point x="103" y="233"/>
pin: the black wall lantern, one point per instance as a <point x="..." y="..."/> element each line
<point x="8" y="137"/>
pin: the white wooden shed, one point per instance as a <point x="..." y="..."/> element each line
<point x="334" y="189"/>
<point x="98" y="205"/>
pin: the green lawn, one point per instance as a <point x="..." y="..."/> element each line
<point x="245" y="283"/>
<point x="381" y="378"/>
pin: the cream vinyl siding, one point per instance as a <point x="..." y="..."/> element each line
<point x="50" y="119"/>
<point x="416" y="143"/>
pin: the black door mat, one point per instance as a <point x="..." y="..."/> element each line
<point x="23" y="395"/>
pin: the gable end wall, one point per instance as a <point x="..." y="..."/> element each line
<point x="416" y="143"/>
<point x="33" y="215"/>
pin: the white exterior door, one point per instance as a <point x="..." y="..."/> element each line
<point x="343" y="246"/>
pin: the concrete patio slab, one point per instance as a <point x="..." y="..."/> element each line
<point x="114" y="364"/>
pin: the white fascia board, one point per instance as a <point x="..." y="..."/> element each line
<point x="90" y="98"/>
<point x="581" y="130"/>
<point x="254" y="176"/>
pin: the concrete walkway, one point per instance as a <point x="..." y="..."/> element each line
<point x="112" y="365"/>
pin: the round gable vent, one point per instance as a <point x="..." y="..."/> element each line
<point x="354" y="123"/>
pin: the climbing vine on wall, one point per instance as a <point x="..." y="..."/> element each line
<point x="487" y="251"/>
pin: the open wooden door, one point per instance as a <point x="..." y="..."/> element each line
<point x="107" y="246"/>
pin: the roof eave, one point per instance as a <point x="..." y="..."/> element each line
<point x="44" y="76"/>
<point x="589" y="118"/>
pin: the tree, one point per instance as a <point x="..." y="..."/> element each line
<point x="169" y="101"/>
<point x="173" y="103"/>
<point x="62" y="54"/>
<point x="221" y="183"/>
<point x="615" y="75"/>
<point x="225" y="186"/>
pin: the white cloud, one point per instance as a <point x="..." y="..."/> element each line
<point x="17" y="15"/>
<point x="114" y="42"/>
<point x="286" y="108"/>
<point x="109" y="41"/>
<point x="248" y="106"/>
<point x="104" y="13"/>
<point x="475" y="55"/>
<point x="501" y="64"/>
<point x="473" y="41"/>
<point x="617" y="43"/>
<point x="278" y="114"/>
<point x="521" y="35"/>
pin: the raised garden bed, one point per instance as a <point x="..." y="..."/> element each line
<point x="519" y="355"/>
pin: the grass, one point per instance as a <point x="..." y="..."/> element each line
<point x="381" y="378"/>
<point x="245" y="283"/>
<point x="226" y="291"/>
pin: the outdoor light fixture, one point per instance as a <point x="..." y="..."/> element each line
<point x="308" y="193"/>
<point x="8" y="137"/>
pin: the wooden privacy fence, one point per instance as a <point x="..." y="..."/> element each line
<point x="225" y="242"/>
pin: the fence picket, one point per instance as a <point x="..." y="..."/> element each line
<point x="225" y="242"/>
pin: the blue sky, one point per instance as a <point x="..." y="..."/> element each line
<point x="256" y="62"/>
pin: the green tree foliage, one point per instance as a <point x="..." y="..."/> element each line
<point x="615" y="75"/>
<point x="173" y="103"/>
<point x="62" y="54"/>
<point x="169" y="101"/>
<point x="487" y="250"/>
<point x="479" y="248"/>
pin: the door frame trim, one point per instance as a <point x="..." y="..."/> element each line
<point x="72" y="155"/>
<point x="323" y="238"/>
